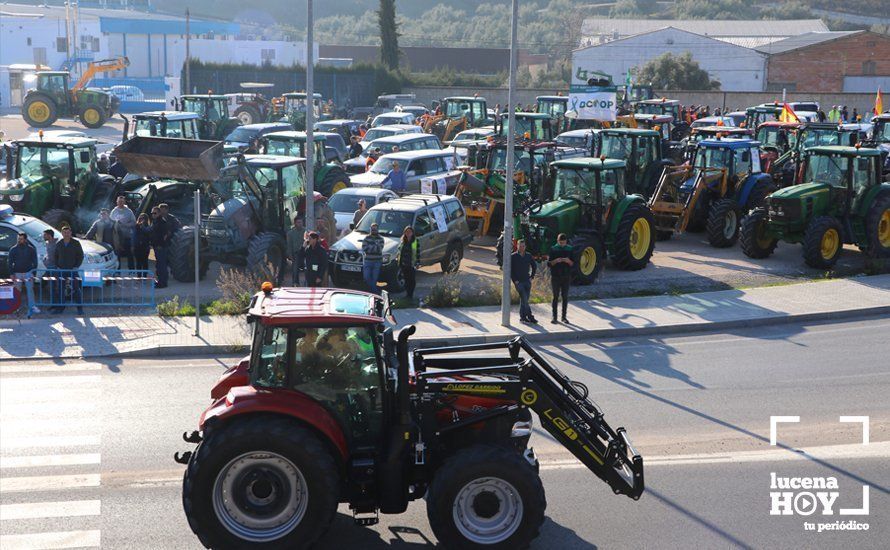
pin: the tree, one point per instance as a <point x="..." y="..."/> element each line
<point x="633" y="8"/>
<point x="389" y="34"/>
<point x="675" y="72"/>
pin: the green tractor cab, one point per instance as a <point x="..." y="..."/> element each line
<point x="456" y="114"/>
<point x="765" y="112"/>
<point x="723" y="181"/>
<point x="532" y="126"/>
<point x="56" y="178"/>
<point x="171" y="124"/>
<point x="215" y="122"/>
<point x="52" y="99"/>
<point x="844" y="201"/>
<point x="293" y="105"/>
<point x="642" y="150"/>
<point x="591" y="206"/>
<point x="782" y="145"/>
<point x="329" y="176"/>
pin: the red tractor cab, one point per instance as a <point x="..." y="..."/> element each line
<point x="331" y="408"/>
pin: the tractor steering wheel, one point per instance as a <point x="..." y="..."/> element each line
<point x="535" y="207"/>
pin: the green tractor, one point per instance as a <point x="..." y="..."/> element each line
<point x="456" y="114"/>
<point x="529" y="126"/>
<point x="56" y="178"/>
<point x="844" y="201"/>
<point x="591" y="206"/>
<point x="215" y="123"/>
<point x="642" y="150"/>
<point x="329" y="176"/>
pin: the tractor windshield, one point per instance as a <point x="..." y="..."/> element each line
<point x="814" y="137"/>
<point x="780" y="138"/>
<point x="578" y="184"/>
<point x="286" y="148"/>
<point x="713" y="157"/>
<point x="614" y="147"/>
<point x="830" y="169"/>
<point x="194" y="106"/>
<point x="882" y="131"/>
<point x="553" y="108"/>
<point x="36" y="163"/>
<point x="533" y="127"/>
<point x="470" y="109"/>
<point x="521" y="160"/>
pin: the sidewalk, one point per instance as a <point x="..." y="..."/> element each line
<point x="71" y="337"/>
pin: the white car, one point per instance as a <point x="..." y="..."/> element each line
<point x="344" y="203"/>
<point x="96" y="257"/>
<point x="127" y="93"/>
<point x="393" y="117"/>
<point x="386" y="131"/>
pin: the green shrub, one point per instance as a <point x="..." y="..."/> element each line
<point x="176" y="308"/>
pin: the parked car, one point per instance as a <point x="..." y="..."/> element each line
<point x="345" y="127"/>
<point x="714" y="121"/>
<point x="393" y="117"/>
<point x="335" y="149"/>
<point x="127" y="93"/>
<point x="439" y="223"/>
<point x="96" y="257"/>
<point x="425" y="163"/>
<point x="391" y="130"/>
<point x="245" y="139"/>
<point x="405" y="142"/>
<point x="344" y="203"/>
<point x="473" y="134"/>
<point x="416" y="110"/>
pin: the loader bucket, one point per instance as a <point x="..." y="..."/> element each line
<point x="171" y="158"/>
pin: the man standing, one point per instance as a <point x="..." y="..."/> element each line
<point x="124" y="221"/>
<point x="102" y="230"/>
<point x="295" y="237"/>
<point x="159" y="235"/>
<point x="22" y="260"/>
<point x="372" y="254"/>
<point x="396" y="178"/>
<point x="561" y="275"/>
<point x="360" y="213"/>
<point x="173" y="223"/>
<point x="355" y="149"/>
<point x="522" y="270"/>
<point x="316" y="258"/>
<point x="69" y="257"/>
<point x="49" y="239"/>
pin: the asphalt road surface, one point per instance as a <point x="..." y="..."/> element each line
<point x="87" y="447"/>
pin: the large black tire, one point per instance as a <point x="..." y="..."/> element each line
<point x="396" y="283"/>
<point x="265" y="256"/>
<point x="282" y="455"/>
<point x="754" y="241"/>
<point x="39" y="111"/>
<point x="248" y="114"/>
<point x="588" y="253"/>
<point x="181" y="256"/>
<point x="483" y="486"/>
<point x="823" y="242"/>
<point x="634" y="239"/>
<point x="877" y="227"/>
<point x="334" y="180"/>
<point x="453" y="255"/>
<point x="758" y="195"/>
<point x="57" y="218"/>
<point x="723" y="223"/>
<point x="93" y="116"/>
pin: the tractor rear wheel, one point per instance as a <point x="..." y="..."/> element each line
<point x="877" y="227"/>
<point x="248" y="114"/>
<point x="57" y="217"/>
<point x="753" y="239"/>
<point x="334" y="180"/>
<point x="486" y="496"/>
<point x="723" y="223"/>
<point x="634" y="238"/>
<point x="93" y="116"/>
<point x="39" y="111"/>
<point x="823" y="242"/>
<point x="260" y="482"/>
<point x="265" y="256"/>
<point x="588" y="254"/>
<point x="181" y="256"/>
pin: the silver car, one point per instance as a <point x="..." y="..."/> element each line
<point x="344" y="203"/>
<point x="437" y="164"/>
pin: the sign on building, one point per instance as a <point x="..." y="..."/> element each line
<point x="593" y="102"/>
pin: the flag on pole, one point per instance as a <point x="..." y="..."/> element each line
<point x="879" y="102"/>
<point x="788" y="114"/>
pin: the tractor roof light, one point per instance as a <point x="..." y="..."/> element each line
<point x="40" y="134"/>
<point x="266" y="288"/>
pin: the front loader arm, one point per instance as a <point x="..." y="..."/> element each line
<point x="560" y="403"/>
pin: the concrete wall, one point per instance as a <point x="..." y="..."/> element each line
<point x="42" y="33"/>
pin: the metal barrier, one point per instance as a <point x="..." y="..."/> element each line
<point x="79" y="288"/>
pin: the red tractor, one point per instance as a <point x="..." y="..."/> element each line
<point x="331" y="408"/>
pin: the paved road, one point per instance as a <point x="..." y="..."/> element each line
<point x="86" y="447"/>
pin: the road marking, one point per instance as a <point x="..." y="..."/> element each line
<point x="48" y="460"/>
<point x="59" y="441"/>
<point x="30" y="411"/>
<point x="828" y="452"/>
<point x="37" y="369"/>
<point x="51" y="541"/>
<point x="55" y="395"/>
<point x="37" y="510"/>
<point x="54" y="426"/>
<point x="48" y="483"/>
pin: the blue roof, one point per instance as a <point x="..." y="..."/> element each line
<point x="729" y="143"/>
<point x="165" y="26"/>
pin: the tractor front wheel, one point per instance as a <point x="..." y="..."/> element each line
<point x="753" y="237"/>
<point x="265" y="256"/>
<point x="486" y="496"/>
<point x="634" y="238"/>
<point x="59" y="218"/>
<point x="823" y="242"/>
<point x="588" y="254"/>
<point x="181" y="256"/>
<point x="248" y="114"/>
<point x="93" y="116"/>
<point x="334" y="180"/>
<point x="877" y="227"/>
<point x="39" y="111"/>
<point x="260" y="482"/>
<point x="723" y="223"/>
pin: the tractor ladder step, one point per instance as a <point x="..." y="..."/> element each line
<point x="366" y="520"/>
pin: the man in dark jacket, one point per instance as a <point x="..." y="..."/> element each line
<point x="316" y="260"/>
<point x="560" y="261"/>
<point x="160" y="233"/>
<point x="355" y="148"/>
<point x="69" y="257"/>
<point x="22" y="260"/>
<point x="522" y="270"/>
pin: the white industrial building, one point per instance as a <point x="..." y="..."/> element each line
<point x="738" y="68"/>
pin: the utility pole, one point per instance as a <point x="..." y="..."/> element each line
<point x="188" y="59"/>
<point x="508" y="187"/>
<point x="310" y="120"/>
<point x="198" y="262"/>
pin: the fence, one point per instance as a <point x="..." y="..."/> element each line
<point x="78" y="288"/>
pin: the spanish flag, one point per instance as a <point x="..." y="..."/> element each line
<point x="879" y="102"/>
<point x="788" y="114"/>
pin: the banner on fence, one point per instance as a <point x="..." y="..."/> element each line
<point x="593" y="102"/>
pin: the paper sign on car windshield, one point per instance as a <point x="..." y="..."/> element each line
<point x="441" y="222"/>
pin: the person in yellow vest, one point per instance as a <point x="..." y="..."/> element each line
<point x="409" y="260"/>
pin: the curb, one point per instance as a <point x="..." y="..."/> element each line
<point x="544" y="337"/>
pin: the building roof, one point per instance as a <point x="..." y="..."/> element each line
<point x="803" y="40"/>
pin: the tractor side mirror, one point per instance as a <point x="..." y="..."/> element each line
<point x="746" y="156"/>
<point x="84" y="157"/>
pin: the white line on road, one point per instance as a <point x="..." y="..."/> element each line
<point x="30" y="411"/>
<point x="37" y="369"/>
<point x="53" y="426"/>
<point x="47" y="483"/>
<point x="56" y="442"/>
<point x="37" y="510"/>
<point x="55" y="395"/>
<point x="48" y="460"/>
<point x="51" y="541"/>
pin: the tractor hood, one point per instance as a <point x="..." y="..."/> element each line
<point x="17" y="186"/>
<point x="800" y="191"/>
<point x="556" y="208"/>
<point x="229" y="208"/>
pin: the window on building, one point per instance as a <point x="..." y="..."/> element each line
<point x="61" y="44"/>
<point x="39" y="55"/>
<point x="869" y="68"/>
<point x="267" y="54"/>
<point x="29" y="41"/>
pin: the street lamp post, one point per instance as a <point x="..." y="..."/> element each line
<point x="508" y="187"/>
<point x="310" y="121"/>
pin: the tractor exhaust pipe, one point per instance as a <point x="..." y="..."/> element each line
<point x="126" y="127"/>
